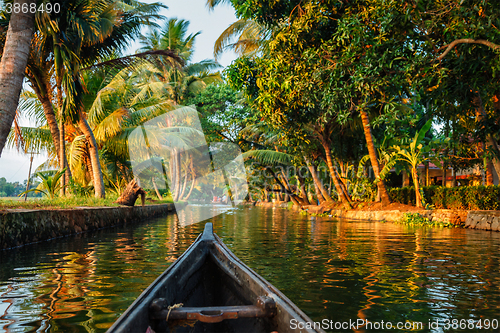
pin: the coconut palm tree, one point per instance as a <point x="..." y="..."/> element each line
<point x="187" y="79"/>
<point x="99" y="31"/>
<point x="12" y="66"/>
<point x="251" y="36"/>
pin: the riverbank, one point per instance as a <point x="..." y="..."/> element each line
<point x="24" y="226"/>
<point x="472" y="219"/>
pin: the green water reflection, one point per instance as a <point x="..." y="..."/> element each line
<point x="338" y="270"/>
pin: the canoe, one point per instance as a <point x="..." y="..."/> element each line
<point x="208" y="289"/>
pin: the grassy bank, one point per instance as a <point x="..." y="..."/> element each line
<point x="69" y="202"/>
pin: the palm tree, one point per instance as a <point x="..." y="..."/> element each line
<point x="12" y="66"/>
<point x="251" y="38"/>
<point x="100" y="30"/>
<point x="50" y="184"/>
<point x="182" y="79"/>
<point x="251" y="35"/>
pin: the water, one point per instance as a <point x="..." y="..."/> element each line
<point x="335" y="270"/>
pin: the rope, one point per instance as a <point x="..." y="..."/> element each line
<point x="171" y="307"/>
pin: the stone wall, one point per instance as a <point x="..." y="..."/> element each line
<point x="484" y="220"/>
<point x="473" y="219"/>
<point x="23" y="226"/>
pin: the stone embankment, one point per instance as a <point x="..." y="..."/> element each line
<point x="472" y="219"/>
<point x="23" y="226"/>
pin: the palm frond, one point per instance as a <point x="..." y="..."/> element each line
<point x="269" y="157"/>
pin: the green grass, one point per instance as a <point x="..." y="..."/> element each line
<point x="69" y="202"/>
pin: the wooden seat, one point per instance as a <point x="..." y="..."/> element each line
<point x="266" y="307"/>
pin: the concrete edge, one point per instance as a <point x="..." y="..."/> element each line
<point x="26" y="226"/>
<point x="488" y="220"/>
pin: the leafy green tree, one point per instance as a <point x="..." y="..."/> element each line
<point x="224" y="114"/>
<point x="6" y="188"/>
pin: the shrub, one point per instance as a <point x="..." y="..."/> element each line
<point x="463" y="197"/>
<point x="415" y="219"/>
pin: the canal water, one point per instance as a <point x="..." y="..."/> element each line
<point x="338" y="271"/>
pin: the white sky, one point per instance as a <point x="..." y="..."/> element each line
<point x="15" y="166"/>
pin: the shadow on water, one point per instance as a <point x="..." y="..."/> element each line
<point x="336" y="270"/>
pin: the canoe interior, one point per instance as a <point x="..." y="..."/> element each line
<point x="208" y="274"/>
<point x="210" y="286"/>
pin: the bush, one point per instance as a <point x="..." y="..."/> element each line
<point x="463" y="197"/>
<point x="415" y="219"/>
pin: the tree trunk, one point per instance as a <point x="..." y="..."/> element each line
<point x="320" y="197"/>
<point x="491" y="144"/>
<point x="344" y="186"/>
<point x="184" y="186"/>
<point x="12" y="66"/>
<point x="130" y="195"/>
<point x="63" y="161"/>
<point x="317" y="181"/>
<point x="426" y="170"/>
<point x="302" y="188"/>
<point x="94" y="157"/>
<point x="89" y="167"/>
<point x="406" y="179"/>
<point x="373" y="157"/>
<point x="266" y="195"/>
<point x="333" y="174"/>
<point x="176" y="175"/>
<point x="48" y="110"/>
<point x="418" y="198"/>
<point x="62" y="148"/>
<point x="193" y="184"/>
<point x="158" y="194"/>
<point x="489" y="173"/>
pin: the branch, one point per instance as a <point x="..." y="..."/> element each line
<point x="450" y="46"/>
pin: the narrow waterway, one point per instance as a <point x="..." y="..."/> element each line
<point x="336" y="270"/>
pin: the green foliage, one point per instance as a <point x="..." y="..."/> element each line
<point x="463" y="197"/>
<point x="415" y="219"/>
<point x="224" y="113"/>
<point x="50" y="185"/>
<point x="79" y="190"/>
<point x="6" y="189"/>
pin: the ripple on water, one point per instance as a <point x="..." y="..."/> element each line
<point x="338" y="270"/>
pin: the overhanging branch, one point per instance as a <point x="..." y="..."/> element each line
<point x="450" y="46"/>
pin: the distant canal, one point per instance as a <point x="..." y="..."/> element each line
<point x="336" y="270"/>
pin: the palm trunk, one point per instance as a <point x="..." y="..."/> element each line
<point x="193" y="184"/>
<point x="176" y="175"/>
<point x="12" y="66"/>
<point x="184" y="186"/>
<point x="89" y="167"/>
<point x="333" y="173"/>
<point x="62" y="141"/>
<point x="94" y="157"/>
<point x="130" y="194"/>
<point x="48" y="110"/>
<point x="158" y="194"/>
<point x="373" y="157"/>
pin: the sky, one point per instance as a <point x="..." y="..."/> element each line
<point x="15" y="166"/>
